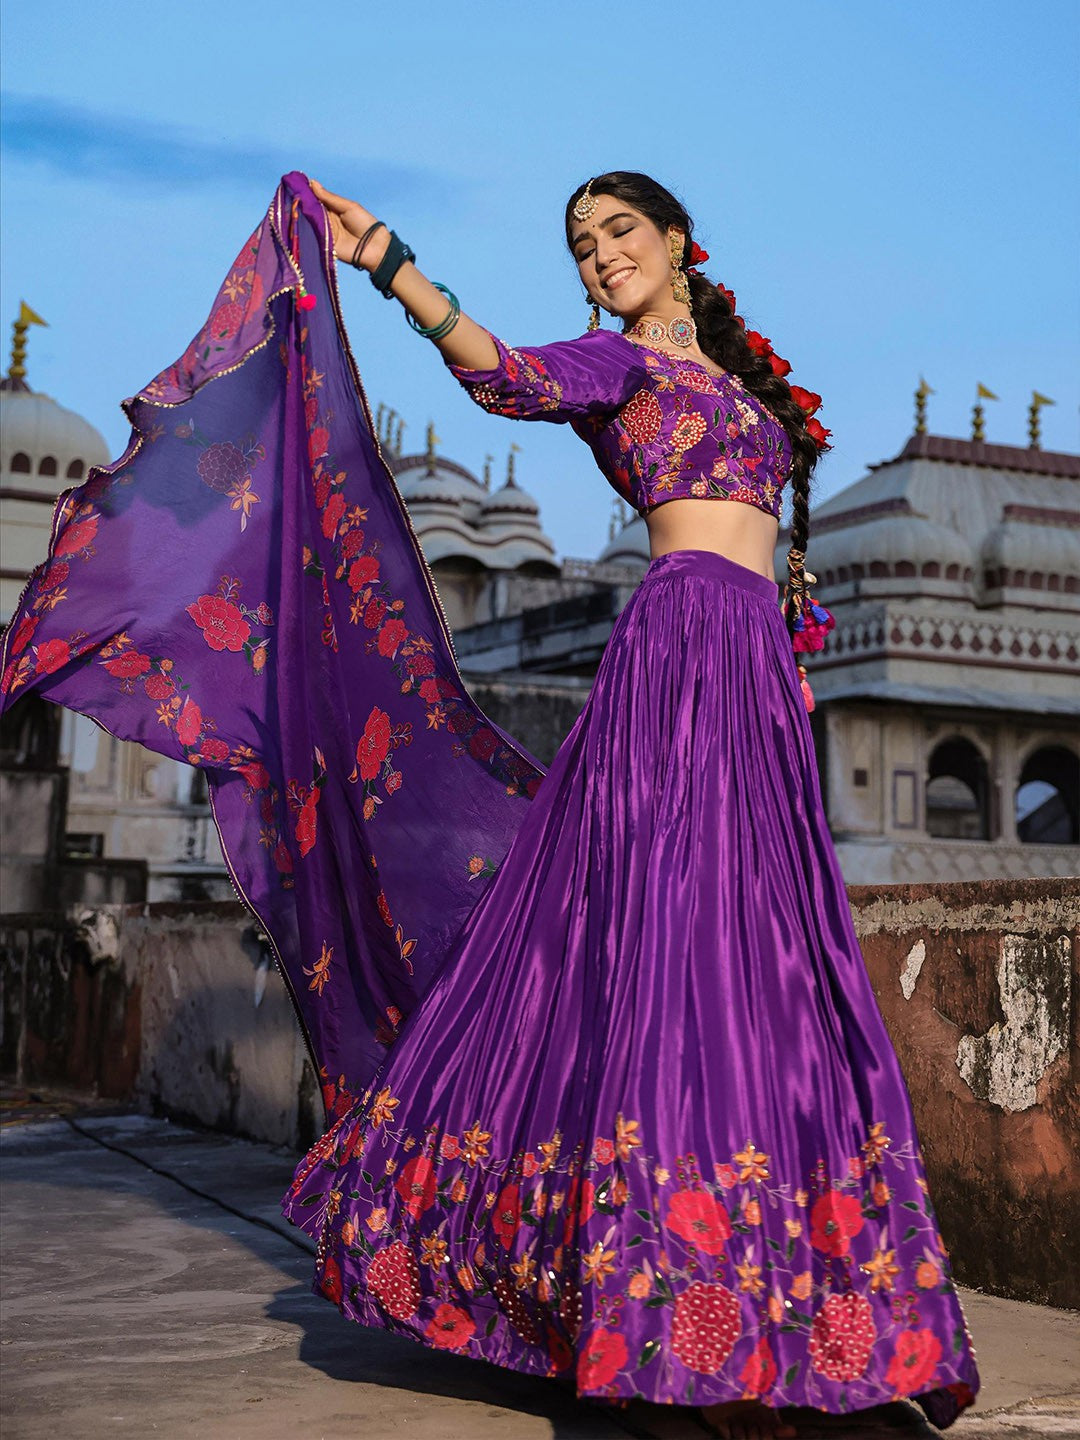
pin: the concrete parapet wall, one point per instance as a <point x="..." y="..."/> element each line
<point x="179" y="1009"/>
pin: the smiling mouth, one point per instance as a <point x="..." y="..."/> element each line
<point x="619" y="278"/>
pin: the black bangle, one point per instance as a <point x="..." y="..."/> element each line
<point x="397" y="252"/>
<point x="363" y="241"/>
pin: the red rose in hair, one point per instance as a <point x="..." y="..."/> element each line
<point x="729" y="296"/>
<point x="780" y="367"/>
<point x="819" y="434"/>
<point x="697" y="255"/>
<point x="806" y="399"/>
<point x="758" y="343"/>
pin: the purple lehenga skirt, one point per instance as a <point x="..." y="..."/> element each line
<point x="608" y="1090"/>
<point x="647" y="1127"/>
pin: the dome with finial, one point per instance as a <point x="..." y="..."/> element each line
<point x="43" y="445"/>
<point x="510" y="503"/>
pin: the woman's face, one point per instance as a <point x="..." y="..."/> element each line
<point x="624" y="261"/>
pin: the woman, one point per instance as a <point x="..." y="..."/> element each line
<point x="647" y="1125"/>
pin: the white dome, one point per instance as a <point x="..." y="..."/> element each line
<point x="510" y="499"/>
<point x="433" y="490"/>
<point x="1034" y="548"/>
<point x="36" y="427"/>
<point x="631" y="543"/>
<point x="413" y="472"/>
<point x="886" y="552"/>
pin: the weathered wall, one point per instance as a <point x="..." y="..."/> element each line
<point x="979" y="985"/>
<point x="179" y="1008"/>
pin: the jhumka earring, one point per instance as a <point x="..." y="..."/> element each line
<point x="594" y="317"/>
<point x="680" y="283"/>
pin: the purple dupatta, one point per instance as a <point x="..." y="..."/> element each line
<point x="243" y="590"/>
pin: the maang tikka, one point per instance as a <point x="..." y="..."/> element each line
<point x="680" y="283"/>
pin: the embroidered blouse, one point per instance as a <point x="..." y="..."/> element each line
<point x="660" y="426"/>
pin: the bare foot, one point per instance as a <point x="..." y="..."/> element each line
<point x="746" y="1420"/>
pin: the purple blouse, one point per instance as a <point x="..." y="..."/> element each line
<point x="661" y="427"/>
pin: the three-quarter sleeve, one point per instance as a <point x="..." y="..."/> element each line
<point x="566" y="380"/>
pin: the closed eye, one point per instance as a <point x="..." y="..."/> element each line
<point x="584" y="254"/>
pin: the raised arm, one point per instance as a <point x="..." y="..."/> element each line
<point x="467" y="343"/>
<point x="567" y="380"/>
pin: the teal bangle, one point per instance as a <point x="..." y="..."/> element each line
<point x="436" y="332"/>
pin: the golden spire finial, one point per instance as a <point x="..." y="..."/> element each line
<point x="487" y="471"/>
<point x="17" y="368"/>
<point x="1037" y="400"/>
<point x="399" y="437"/>
<point x="920" y="406"/>
<point x="510" y="466"/>
<point x="432" y="441"/>
<point x="977" y="428"/>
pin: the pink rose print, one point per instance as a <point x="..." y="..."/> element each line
<point x="912" y="1368"/>
<point x="600" y="1359"/>
<point x="698" y="1217"/>
<point x="834" y="1219"/>
<point x="450" y="1328"/>
<point x="222" y="624"/>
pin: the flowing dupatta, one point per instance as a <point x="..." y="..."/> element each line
<point x="243" y="590"/>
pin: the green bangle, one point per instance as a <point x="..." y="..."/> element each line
<point x="436" y="332"/>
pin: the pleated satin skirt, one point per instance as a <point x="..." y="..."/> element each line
<point x="647" y="1128"/>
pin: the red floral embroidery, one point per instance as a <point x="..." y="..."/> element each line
<point x="417" y="1185"/>
<point x="912" y="1367"/>
<point x="223" y="626"/>
<point x="842" y="1336"/>
<point x="642" y="417"/>
<point x="705" y="1326"/>
<point x="759" y="1372"/>
<point x="331" y="1280"/>
<point x="394" y="1279"/>
<point x="600" y="1359"/>
<point x="506" y="1217"/>
<point x="834" y="1219"/>
<point x="450" y="1328"/>
<point x="700" y="1218"/>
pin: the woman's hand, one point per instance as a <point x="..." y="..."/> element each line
<point x="348" y="223"/>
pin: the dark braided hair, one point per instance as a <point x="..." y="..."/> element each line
<point x="723" y="338"/>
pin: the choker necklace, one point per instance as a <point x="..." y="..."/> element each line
<point x="681" y="331"/>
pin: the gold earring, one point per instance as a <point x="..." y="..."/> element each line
<point x="680" y="283"/>
<point x="594" y="318"/>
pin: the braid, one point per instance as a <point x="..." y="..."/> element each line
<point x="724" y="339"/>
<point x="723" y="336"/>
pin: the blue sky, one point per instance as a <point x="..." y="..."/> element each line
<point x="890" y="190"/>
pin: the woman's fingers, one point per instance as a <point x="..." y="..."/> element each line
<point x="334" y="202"/>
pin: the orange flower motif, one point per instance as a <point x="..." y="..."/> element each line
<point x="383" y="1106"/>
<point x="753" y="1162"/>
<point x="801" y="1197"/>
<point x="776" y="1309"/>
<point x="640" y="1285"/>
<point x="877" y="1142"/>
<point x="927" y="1275"/>
<point x="626" y="1136"/>
<point x="793" y="1228"/>
<point x="620" y="1192"/>
<point x="881" y="1269"/>
<point x="524" y="1271"/>
<point x="476" y="1143"/>
<point x="376" y="1220"/>
<point x="479" y="1255"/>
<point x="750" y="1278"/>
<point x="802" y="1286"/>
<point x="549" y="1149"/>
<point x="660" y="1175"/>
<point x="597" y="1263"/>
<point x="465" y="1278"/>
<point x="457" y="1191"/>
<point x="881" y="1192"/>
<point x="433" y="1251"/>
<point x="348" y="1233"/>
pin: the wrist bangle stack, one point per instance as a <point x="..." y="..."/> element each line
<point x="436" y="332"/>
<point x="397" y="252"/>
<point x="379" y="224"/>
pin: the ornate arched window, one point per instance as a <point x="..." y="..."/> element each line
<point x="957" y="792"/>
<point x="75" y="471"/>
<point x="1048" y="797"/>
<point x="20" y="463"/>
<point x="47" y="465"/>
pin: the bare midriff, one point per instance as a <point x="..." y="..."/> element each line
<point x="739" y="531"/>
